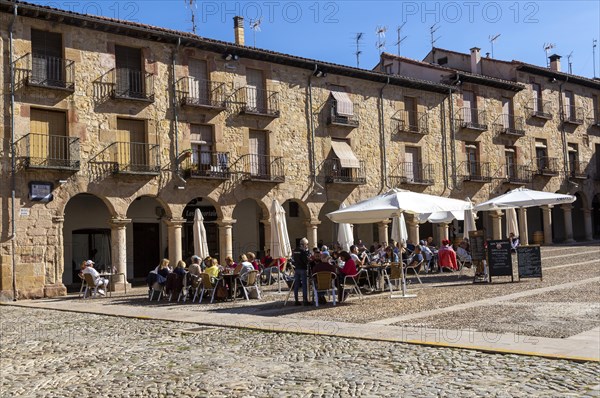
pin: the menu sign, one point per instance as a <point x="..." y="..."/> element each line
<point x="499" y="258"/>
<point x="530" y="261"/>
<point x="477" y="245"/>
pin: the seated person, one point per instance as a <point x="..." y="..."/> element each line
<point x="447" y="257"/>
<point x="194" y="268"/>
<point x="275" y="266"/>
<point x="359" y="261"/>
<point x="416" y="258"/>
<point x="514" y="242"/>
<point x="213" y="270"/>
<point x="87" y="267"/>
<point x="428" y="254"/>
<point x="430" y="242"/>
<point x="462" y="253"/>
<point x="410" y="245"/>
<point x="163" y="268"/>
<point x="324" y="265"/>
<point x="267" y="260"/>
<point x="180" y="268"/>
<point x="230" y="264"/>
<point x="349" y="269"/>
<point x="247" y="267"/>
<point x="252" y="260"/>
<point x="390" y="255"/>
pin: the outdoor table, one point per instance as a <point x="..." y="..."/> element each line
<point x="110" y="276"/>
<point x="229" y="279"/>
<point x="375" y="273"/>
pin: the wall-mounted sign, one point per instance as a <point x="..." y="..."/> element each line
<point x="40" y="191"/>
<point x="23" y="212"/>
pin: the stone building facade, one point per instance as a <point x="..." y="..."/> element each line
<point x="114" y="133"/>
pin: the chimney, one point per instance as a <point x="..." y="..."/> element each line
<point x="555" y="62"/>
<point x="476" y="60"/>
<point x="238" y="27"/>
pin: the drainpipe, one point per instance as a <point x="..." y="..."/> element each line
<point x="176" y="114"/>
<point x="311" y="124"/>
<point x="384" y="182"/>
<point x="453" y="130"/>
<point x="12" y="157"/>
<point x="444" y="153"/>
<point x="563" y="134"/>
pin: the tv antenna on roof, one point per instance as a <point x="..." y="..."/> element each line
<point x="493" y="38"/>
<point x="400" y="38"/>
<point x="358" y="38"/>
<point x="255" y="26"/>
<point x="432" y="29"/>
<point x="380" y="31"/>
<point x="594" y="44"/>
<point x="191" y="4"/>
<point x="569" y="62"/>
<point x="548" y="46"/>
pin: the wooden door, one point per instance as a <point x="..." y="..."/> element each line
<point x="258" y="153"/>
<point x="410" y="105"/>
<point x="132" y="148"/>
<point x="47" y="140"/>
<point x="199" y="82"/>
<point x="130" y="79"/>
<point x="507" y="117"/>
<point x="412" y="164"/>
<point x="46" y="51"/>
<point x="469" y="107"/>
<point x="255" y="95"/>
<point x="537" y="98"/>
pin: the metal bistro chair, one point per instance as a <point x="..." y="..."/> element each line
<point x="415" y="268"/>
<point x="324" y="282"/>
<point x="90" y="286"/>
<point x="352" y="285"/>
<point x="251" y="282"/>
<point x="190" y="284"/>
<point x="83" y="285"/>
<point x="462" y="265"/>
<point x="205" y="285"/>
<point x="394" y="275"/>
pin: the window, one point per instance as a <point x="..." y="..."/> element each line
<point x="537" y="98"/>
<point x="130" y="76"/>
<point x="258" y="149"/>
<point x="469" y="107"/>
<point x="569" y="105"/>
<point x="294" y="209"/>
<point x="442" y="61"/>
<point x="48" y="135"/>
<point x="573" y="154"/>
<point x="508" y="121"/>
<point x="201" y="138"/>
<point x="410" y="106"/>
<point x="131" y="144"/>
<point x="199" y="81"/>
<point x="389" y="68"/>
<point x="46" y="62"/>
<point x="511" y="162"/>
<point x="255" y="90"/>
<point x="541" y="154"/>
<point x="412" y="164"/>
<point x="596" y="108"/>
<point x="472" y="159"/>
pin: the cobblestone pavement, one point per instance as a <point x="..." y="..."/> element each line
<point x="59" y="354"/>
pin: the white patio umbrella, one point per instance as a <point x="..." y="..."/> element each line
<point x="469" y="225"/>
<point x="280" y="240"/>
<point x="511" y="222"/>
<point x="523" y="197"/>
<point x="345" y="237"/>
<point x="399" y="231"/>
<point x="200" y="245"/>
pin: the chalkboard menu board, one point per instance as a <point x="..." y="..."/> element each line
<point x="530" y="261"/>
<point x="477" y="245"/>
<point x="499" y="258"/>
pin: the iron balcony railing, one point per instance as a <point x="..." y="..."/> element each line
<point x="573" y="114"/>
<point x="540" y="108"/>
<point x="518" y="174"/>
<point x="133" y="157"/>
<point x="547" y="166"/>
<point x="201" y="93"/>
<point x="410" y="122"/>
<point x="209" y="165"/>
<point x="132" y="84"/>
<point x="510" y="124"/>
<point x="577" y="169"/>
<point x="45" y="71"/>
<point x="476" y="171"/>
<point x="58" y="152"/>
<point x="335" y="119"/>
<point x="254" y="167"/>
<point x="472" y="119"/>
<point x="413" y="173"/>
<point x="334" y="173"/>
<point x="256" y="101"/>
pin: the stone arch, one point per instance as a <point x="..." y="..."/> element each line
<point x="210" y="213"/>
<point x="249" y="230"/>
<point x="577" y="214"/>
<point x="63" y="198"/>
<point x="327" y="229"/>
<point x="297" y="214"/>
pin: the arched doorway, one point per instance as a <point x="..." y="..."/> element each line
<point x="327" y="231"/>
<point x="295" y="216"/>
<point x="248" y="232"/>
<point x="558" y="224"/>
<point x="146" y="236"/>
<point x="209" y="213"/>
<point x="87" y="235"/>
<point x="596" y="216"/>
<point x="578" y="217"/>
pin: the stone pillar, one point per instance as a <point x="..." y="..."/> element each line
<point x="53" y="285"/>
<point x="311" y="233"/>
<point x="267" y="228"/>
<point x="523" y="232"/>
<point x="442" y="232"/>
<point x="413" y="230"/>
<point x="587" y="223"/>
<point x="547" y="219"/>
<point x="118" y="237"/>
<point x="225" y="239"/>
<point x="382" y="229"/>
<point x="568" y="222"/>
<point x="496" y="224"/>
<point x="174" y="239"/>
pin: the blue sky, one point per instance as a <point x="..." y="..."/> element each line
<point x="325" y="30"/>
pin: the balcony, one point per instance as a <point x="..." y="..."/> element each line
<point x="201" y="93"/>
<point x="411" y="173"/>
<point x="546" y="166"/>
<point x="476" y="172"/>
<point x="48" y="72"/>
<point x="577" y="169"/>
<point x="261" y="168"/>
<point x="472" y="119"/>
<point x="595" y="119"/>
<point x="336" y="174"/>
<point x="540" y="109"/>
<point x="131" y="158"/>
<point x="259" y="102"/>
<point x="410" y="122"/>
<point x="208" y="165"/>
<point x="335" y="119"/>
<point x="510" y="125"/>
<point x="518" y="174"/>
<point x="53" y="152"/>
<point x="573" y="114"/>
<point x="132" y="84"/>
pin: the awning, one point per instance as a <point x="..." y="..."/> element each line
<point x="343" y="151"/>
<point x="471" y="146"/>
<point x="344" y="107"/>
<point x="509" y="150"/>
<point x="539" y="144"/>
<point x="572" y="148"/>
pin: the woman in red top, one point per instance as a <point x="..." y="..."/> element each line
<point x="349" y="269"/>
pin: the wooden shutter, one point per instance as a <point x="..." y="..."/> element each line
<point x="132" y="149"/>
<point x="255" y="92"/>
<point x="48" y="129"/>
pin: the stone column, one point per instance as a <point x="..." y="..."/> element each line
<point x="442" y="231"/>
<point x="547" y="219"/>
<point x="568" y="222"/>
<point x="267" y="228"/>
<point x="587" y="223"/>
<point x="413" y="230"/>
<point x="496" y="224"/>
<point x="53" y="285"/>
<point x="118" y="237"/>
<point x="382" y="229"/>
<point x="225" y="239"/>
<point x="174" y="239"/>
<point x="523" y="232"/>
<point x="311" y="233"/>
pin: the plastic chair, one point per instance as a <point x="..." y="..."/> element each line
<point x="90" y="286"/>
<point x="324" y="282"/>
